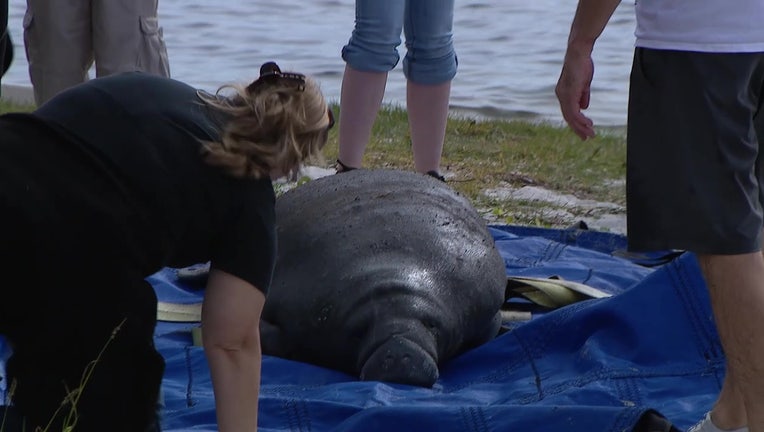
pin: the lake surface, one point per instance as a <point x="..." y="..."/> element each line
<point x="510" y="51"/>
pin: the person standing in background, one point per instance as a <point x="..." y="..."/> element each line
<point x="6" y="46"/>
<point x="429" y="66"/>
<point x="64" y="37"/>
<point x="695" y="170"/>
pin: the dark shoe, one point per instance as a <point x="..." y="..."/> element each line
<point x="341" y="167"/>
<point x="436" y="175"/>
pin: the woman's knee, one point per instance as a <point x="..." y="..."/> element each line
<point x="368" y="54"/>
<point x="431" y="61"/>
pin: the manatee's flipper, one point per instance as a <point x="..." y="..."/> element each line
<point x="195" y="276"/>
<point x="273" y="341"/>
<point x="400" y="360"/>
<point x="482" y="335"/>
<point x="493" y="330"/>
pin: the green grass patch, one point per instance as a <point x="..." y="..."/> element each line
<point x="484" y="154"/>
<point x="7" y="107"/>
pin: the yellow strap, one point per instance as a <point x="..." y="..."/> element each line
<point x="179" y="312"/>
<point x="551" y="293"/>
<point x="196" y="335"/>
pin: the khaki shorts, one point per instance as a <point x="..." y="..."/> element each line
<point x="63" y="39"/>
<point x="694" y="169"/>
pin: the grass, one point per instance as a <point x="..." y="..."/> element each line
<point x="6" y="107"/>
<point x="481" y="155"/>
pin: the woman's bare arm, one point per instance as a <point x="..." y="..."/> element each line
<point x="231" y="337"/>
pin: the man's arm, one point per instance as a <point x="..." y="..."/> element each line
<point x="231" y="337"/>
<point x="574" y="86"/>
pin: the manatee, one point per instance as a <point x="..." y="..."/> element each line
<point x="382" y="274"/>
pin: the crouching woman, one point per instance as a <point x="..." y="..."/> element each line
<point x="107" y="183"/>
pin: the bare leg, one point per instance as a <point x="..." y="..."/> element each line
<point x="729" y="410"/>
<point x="428" y="113"/>
<point x="360" y="101"/>
<point x="736" y="286"/>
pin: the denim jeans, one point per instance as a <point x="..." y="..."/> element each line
<point x="427" y="25"/>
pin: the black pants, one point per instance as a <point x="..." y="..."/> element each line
<point x="72" y="347"/>
<point x="74" y="308"/>
<point x="6" y="46"/>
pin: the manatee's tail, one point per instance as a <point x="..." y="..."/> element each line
<point x="403" y="361"/>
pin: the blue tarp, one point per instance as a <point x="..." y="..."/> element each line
<point x="597" y="365"/>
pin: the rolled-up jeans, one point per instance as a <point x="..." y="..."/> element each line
<point x="428" y="29"/>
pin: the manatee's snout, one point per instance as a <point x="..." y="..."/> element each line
<point x="400" y="360"/>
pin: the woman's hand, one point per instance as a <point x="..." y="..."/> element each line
<point x="231" y="338"/>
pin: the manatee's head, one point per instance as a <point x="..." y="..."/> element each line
<point x="409" y="351"/>
<point x="403" y="360"/>
<point x="403" y="325"/>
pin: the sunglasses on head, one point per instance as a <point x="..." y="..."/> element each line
<point x="270" y="73"/>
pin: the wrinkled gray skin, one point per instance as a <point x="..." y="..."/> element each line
<point x="381" y="274"/>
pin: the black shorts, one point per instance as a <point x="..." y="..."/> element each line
<point x="694" y="171"/>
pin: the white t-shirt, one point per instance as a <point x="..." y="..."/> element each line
<point x="701" y="25"/>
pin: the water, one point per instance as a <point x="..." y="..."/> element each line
<point x="510" y="51"/>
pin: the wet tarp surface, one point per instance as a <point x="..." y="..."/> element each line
<point x="596" y="365"/>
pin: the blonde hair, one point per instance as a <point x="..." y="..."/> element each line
<point x="270" y="128"/>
